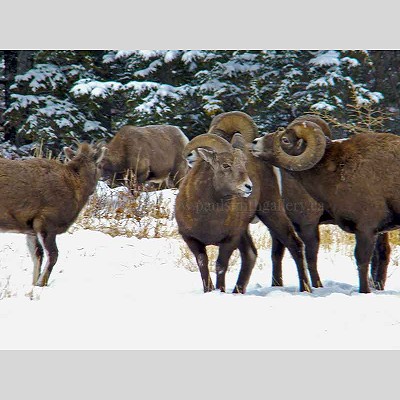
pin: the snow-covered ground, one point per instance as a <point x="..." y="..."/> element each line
<point x="127" y="293"/>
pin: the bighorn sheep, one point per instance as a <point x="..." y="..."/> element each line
<point x="215" y="206"/>
<point x="152" y="153"/>
<point x="42" y="198"/>
<point x="306" y="214"/>
<point x="354" y="180"/>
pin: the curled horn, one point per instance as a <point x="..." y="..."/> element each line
<point x="317" y="120"/>
<point x="316" y="144"/>
<point x="210" y="141"/>
<point x="229" y="123"/>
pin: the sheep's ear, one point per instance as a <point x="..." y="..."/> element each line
<point x="69" y="153"/>
<point x="101" y="152"/>
<point x="206" y="155"/>
<point x="238" y="141"/>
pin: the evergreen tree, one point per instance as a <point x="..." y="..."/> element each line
<point x="53" y="97"/>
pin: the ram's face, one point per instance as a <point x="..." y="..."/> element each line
<point x="263" y="147"/>
<point x="230" y="176"/>
<point x="107" y="168"/>
<point x="291" y="144"/>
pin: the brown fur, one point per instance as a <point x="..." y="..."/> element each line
<point x="153" y="153"/>
<point x="356" y="184"/>
<point x="42" y="198"/>
<point x="306" y="214"/>
<point x="210" y="210"/>
<point x="227" y="225"/>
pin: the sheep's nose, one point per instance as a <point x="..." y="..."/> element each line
<point x="248" y="187"/>
<point x="255" y="141"/>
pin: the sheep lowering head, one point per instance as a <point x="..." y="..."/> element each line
<point x="42" y="198"/>
<point x="307" y="214"/>
<point x="354" y="180"/>
<point x="214" y="207"/>
<point x="152" y="153"/>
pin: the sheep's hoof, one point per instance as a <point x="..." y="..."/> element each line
<point x="208" y="288"/>
<point x="42" y="281"/>
<point x="379" y="285"/>
<point x="305" y="287"/>
<point x="239" y="289"/>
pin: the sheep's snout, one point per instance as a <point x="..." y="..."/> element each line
<point x="246" y="188"/>
<point x="191" y="158"/>
<point x="257" y="144"/>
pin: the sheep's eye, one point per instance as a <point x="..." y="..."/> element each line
<point x="226" y="166"/>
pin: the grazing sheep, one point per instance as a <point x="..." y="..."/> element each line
<point x="213" y="207"/>
<point x="355" y="180"/>
<point x="42" y="198"/>
<point x="152" y="153"/>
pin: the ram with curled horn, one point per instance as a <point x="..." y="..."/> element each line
<point x="307" y="214"/>
<point x="224" y="191"/>
<point x="353" y="180"/>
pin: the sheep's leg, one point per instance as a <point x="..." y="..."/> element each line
<point x="380" y="261"/>
<point x="277" y="252"/>
<point x="48" y="242"/>
<point x="199" y="251"/>
<point x="248" y="253"/>
<point x="280" y="227"/>
<point x="225" y="251"/>
<point x="36" y="252"/>
<point x="365" y="242"/>
<point x="310" y="236"/>
<point x="142" y="169"/>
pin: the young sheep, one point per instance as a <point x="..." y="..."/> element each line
<point x="215" y="206"/>
<point x="42" y="198"/>
<point x="206" y="215"/>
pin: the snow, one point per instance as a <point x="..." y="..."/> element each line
<point x="153" y="66"/>
<point x="353" y="62"/>
<point x="41" y="75"/>
<point x="326" y="58"/>
<point x="191" y="56"/>
<point x="171" y="55"/>
<point x="128" y="293"/>
<point x="323" y="105"/>
<point x="94" y="88"/>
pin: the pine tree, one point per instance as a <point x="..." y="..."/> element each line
<point x="42" y="108"/>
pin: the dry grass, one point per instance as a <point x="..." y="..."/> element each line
<point x="119" y="213"/>
<point x="5" y="290"/>
<point x="187" y="259"/>
<point x="364" y="118"/>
